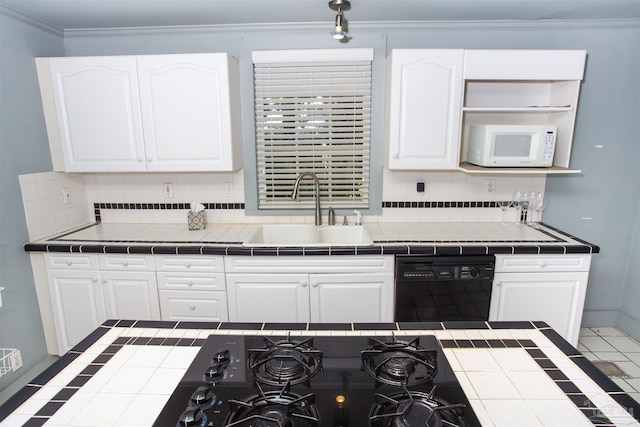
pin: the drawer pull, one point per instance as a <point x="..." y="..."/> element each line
<point x="192" y="307"/>
<point x="125" y="263"/>
<point x="314" y="284"/>
<point x="304" y="284"/>
<point x="95" y="280"/>
<point x="188" y="265"/>
<point x="69" y="262"/>
<point x="190" y="284"/>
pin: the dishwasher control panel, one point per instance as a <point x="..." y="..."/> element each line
<point x="449" y="268"/>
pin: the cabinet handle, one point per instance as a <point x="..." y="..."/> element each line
<point x="314" y="284"/>
<point x="543" y="264"/>
<point x="104" y="281"/>
<point x="192" y="307"/>
<point x="139" y="159"/>
<point x="95" y="280"/>
<point x="396" y="156"/>
<point x="188" y="265"/>
<point x="125" y="264"/>
<point x="149" y="159"/>
<point x="69" y="262"/>
<point x="190" y="284"/>
<point x="304" y="284"/>
<point x="497" y="285"/>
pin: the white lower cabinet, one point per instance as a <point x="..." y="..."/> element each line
<point x="549" y="288"/>
<point x="268" y="297"/>
<point x="87" y="289"/>
<point x="77" y="300"/>
<point x="358" y="297"/>
<point x="192" y="288"/>
<point x="297" y="289"/>
<point x="130" y="295"/>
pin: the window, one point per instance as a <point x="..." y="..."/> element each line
<point x="313" y="113"/>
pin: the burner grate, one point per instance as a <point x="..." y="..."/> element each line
<point x="274" y="409"/>
<point x="399" y="362"/>
<point x="286" y="361"/>
<point x="413" y="408"/>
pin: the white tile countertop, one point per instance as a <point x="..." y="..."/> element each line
<point x="387" y="238"/>
<point x="513" y="374"/>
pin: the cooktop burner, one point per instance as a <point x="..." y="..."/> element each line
<point x="398" y="362"/>
<point x="285" y="361"/>
<point x="337" y="381"/>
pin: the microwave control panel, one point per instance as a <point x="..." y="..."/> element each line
<point x="549" y="145"/>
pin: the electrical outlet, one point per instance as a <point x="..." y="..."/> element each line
<point x="15" y="359"/>
<point x="167" y="188"/>
<point x="228" y="189"/>
<point x="489" y="187"/>
<point x="66" y="195"/>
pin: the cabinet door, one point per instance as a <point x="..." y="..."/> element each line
<point x="77" y="304"/>
<point x="268" y="297"/>
<point x="98" y="113"/>
<point x="185" y="108"/>
<point x="425" y="96"/>
<point x="351" y="298"/>
<point x="555" y="298"/>
<point x="131" y="295"/>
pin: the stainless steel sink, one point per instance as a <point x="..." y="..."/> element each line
<point x="309" y="235"/>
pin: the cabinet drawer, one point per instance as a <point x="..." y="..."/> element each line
<point x="126" y="262"/>
<point x="194" y="281"/>
<point x="313" y="264"/>
<point x="189" y="263"/>
<point x="74" y="261"/>
<point x="538" y="263"/>
<point x="193" y="305"/>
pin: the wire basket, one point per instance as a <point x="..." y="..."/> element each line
<point x="5" y="360"/>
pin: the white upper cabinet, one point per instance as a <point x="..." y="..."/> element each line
<point x="434" y="95"/>
<point x="523" y="87"/>
<point x="142" y="113"/>
<point x="424" y="93"/>
<point x="95" y="118"/>
<point x="190" y="118"/>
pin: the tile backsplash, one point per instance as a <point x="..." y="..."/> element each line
<point x="45" y="209"/>
<point x="119" y="198"/>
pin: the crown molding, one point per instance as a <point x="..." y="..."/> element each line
<point x="4" y="10"/>
<point x="391" y="26"/>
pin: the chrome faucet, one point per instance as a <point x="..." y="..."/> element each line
<point x="294" y="194"/>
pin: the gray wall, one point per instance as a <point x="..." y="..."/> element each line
<point x="607" y="191"/>
<point x="23" y="149"/>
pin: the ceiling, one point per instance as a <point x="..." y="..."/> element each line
<point x="88" y="14"/>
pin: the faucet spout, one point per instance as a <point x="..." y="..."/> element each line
<point x="294" y="194"/>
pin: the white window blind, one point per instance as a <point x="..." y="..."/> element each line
<point x="313" y="113"/>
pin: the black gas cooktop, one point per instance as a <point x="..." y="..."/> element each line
<point x="304" y="381"/>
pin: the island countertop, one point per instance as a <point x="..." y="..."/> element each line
<point x="388" y="238"/>
<point x="513" y="373"/>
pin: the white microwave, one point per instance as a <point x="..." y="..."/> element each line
<point x="511" y="145"/>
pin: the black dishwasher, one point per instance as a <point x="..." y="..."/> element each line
<point x="443" y="288"/>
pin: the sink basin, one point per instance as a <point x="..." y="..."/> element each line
<point x="309" y="235"/>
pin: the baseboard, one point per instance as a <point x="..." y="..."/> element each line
<point x="599" y="319"/>
<point x="629" y="325"/>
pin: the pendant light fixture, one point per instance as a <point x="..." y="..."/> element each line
<point x="340" y="30"/>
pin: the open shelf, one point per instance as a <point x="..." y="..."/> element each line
<point x="534" y="110"/>
<point x="469" y="168"/>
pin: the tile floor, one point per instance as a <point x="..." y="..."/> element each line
<point x="613" y="345"/>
